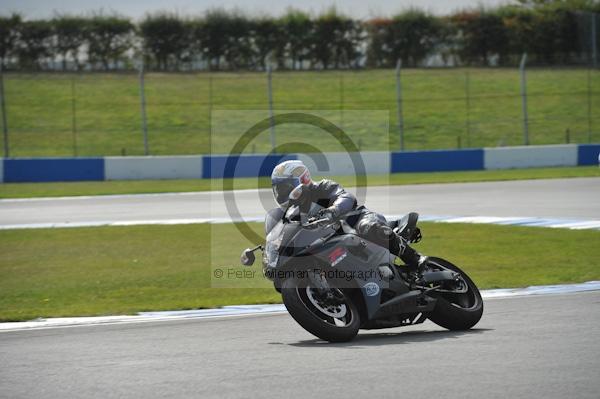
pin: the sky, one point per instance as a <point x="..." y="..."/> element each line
<point x="136" y="9"/>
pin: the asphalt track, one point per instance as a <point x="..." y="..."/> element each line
<point x="525" y="347"/>
<point x="574" y="198"/>
<point x="542" y="346"/>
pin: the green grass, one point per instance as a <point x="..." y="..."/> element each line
<point x="30" y="190"/>
<point x="108" y="122"/>
<point x="123" y="270"/>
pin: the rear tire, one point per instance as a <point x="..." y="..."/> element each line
<point x="457" y="311"/>
<point x="314" y="321"/>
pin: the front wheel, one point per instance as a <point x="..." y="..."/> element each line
<point x="456" y="310"/>
<point x="332" y="317"/>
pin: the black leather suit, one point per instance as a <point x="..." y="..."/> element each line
<point x="370" y="225"/>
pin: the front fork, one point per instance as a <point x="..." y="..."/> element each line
<point x="324" y="290"/>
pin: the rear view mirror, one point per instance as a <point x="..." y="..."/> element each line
<point x="247" y="257"/>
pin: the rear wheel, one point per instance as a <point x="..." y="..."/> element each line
<point x="331" y="316"/>
<point x="458" y="310"/>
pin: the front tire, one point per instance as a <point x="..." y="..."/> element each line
<point x="302" y="306"/>
<point x="457" y="311"/>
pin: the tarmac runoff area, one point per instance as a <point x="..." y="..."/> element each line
<point x="559" y="203"/>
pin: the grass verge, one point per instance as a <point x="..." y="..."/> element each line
<point x="31" y="190"/>
<point x="123" y="270"/>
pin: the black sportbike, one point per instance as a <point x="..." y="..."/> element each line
<point x="334" y="282"/>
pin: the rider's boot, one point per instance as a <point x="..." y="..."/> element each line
<point x="399" y="247"/>
<point x="412" y="258"/>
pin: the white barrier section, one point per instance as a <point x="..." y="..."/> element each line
<point x="153" y="167"/>
<point x="340" y="163"/>
<point x="530" y="156"/>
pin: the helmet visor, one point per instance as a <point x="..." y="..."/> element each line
<point x="282" y="187"/>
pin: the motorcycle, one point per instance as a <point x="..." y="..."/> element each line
<point x="334" y="282"/>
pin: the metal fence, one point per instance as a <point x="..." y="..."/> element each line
<point x="58" y="114"/>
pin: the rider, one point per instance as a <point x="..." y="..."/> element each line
<point x="292" y="185"/>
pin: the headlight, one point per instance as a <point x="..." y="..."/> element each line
<point x="271" y="253"/>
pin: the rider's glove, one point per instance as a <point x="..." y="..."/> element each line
<point x="416" y="236"/>
<point x="327" y="213"/>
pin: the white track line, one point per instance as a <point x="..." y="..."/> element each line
<point x="247" y="310"/>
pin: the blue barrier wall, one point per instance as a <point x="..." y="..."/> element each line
<point x="435" y="161"/>
<point x="227" y="166"/>
<point x="220" y="166"/>
<point x="587" y="154"/>
<point x="53" y="169"/>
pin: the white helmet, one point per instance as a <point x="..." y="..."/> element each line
<point x="288" y="179"/>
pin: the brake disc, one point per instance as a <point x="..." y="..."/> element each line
<point x="332" y="310"/>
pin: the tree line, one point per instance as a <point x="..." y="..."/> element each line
<point x="550" y="31"/>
